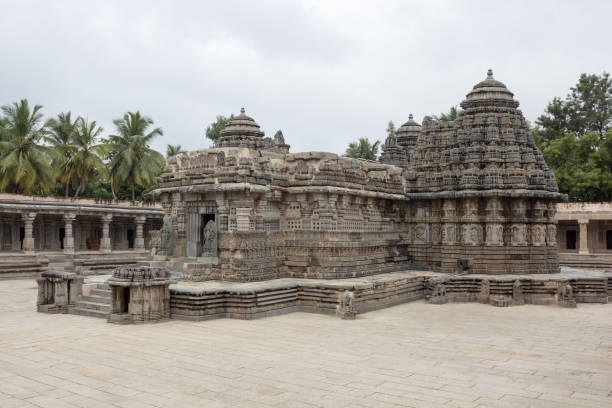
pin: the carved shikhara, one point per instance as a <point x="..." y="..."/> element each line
<point x="474" y="188"/>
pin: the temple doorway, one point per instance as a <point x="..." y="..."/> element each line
<point x="130" y="238"/>
<point x="570" y="239"/>
<point x="62" y="235"/>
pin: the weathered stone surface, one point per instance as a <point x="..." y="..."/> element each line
<point x="139" y="294"/>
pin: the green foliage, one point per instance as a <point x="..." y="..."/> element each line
<point x="24" y="164"/>
<point x="575" y="137"/>
<point x="391" y="128"/>
<point x="132" y="161"/>
<point x="447" y="117"/>
<point x="86" y="157"/>
<point x="171" y="150"/>
<point x="582" y="165"/>
<point x="587" y="108"/>
<point x="60" y="136"/>
<point x="363" y="149"/>
<point x="212" y="131"/>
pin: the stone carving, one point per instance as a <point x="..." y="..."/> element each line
<point x="57" y="291"/>
<point x="519" y="234"/>
<point x="346" y="309"/>
<point x="538" y="235"/>
<point x="551" y="235"/>
<point x="165" y="246"/>
<point x="139" y="294"/>
<point x="565" y="296"/>
<point x="279" y="139"/>
<point x="210" y="239"/>
<point x="438" y="295"/>
<point x="472" y="234"/>
<point x="472" y="188"/>
<point x="517" y="293"/>
<point x="495" y="234"/>
<point x="485" y="291"/>
<point x="155" y="242"/>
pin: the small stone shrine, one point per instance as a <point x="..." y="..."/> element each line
<point x="139" y="294"/>
<point x="57" y="291"/>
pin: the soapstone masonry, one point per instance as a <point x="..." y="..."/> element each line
<point x="471" y="195"/>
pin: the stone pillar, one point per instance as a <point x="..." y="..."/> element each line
<point x="68" y="237"/>
<point x="584" y="247"/>
<point x="139" y="243"/>
<point x="28" y="239"/>
<point x="105" y="242"/>
<point x="243" y="219"/>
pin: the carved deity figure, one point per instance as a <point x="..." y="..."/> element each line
<point x="165" y="246"/>
<point x="565" y="296"/>
<point x="438" y="296"/>
<point x="210" y="239"/>
<point x="485" y="291"/>
<point x="346" y="309"/>
<point x="517" y="293"/>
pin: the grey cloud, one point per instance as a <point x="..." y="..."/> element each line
<point x="325" y="72"/>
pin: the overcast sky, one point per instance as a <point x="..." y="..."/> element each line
<point x="325" y="72"/>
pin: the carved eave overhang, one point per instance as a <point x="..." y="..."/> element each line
<point x="79" y="209"/>
<point x="554" y="196"/>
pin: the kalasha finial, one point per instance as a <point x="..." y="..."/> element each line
<point x="490" y="74"/>
<point x="242" y="109"/>
<point x="410" y="117"/>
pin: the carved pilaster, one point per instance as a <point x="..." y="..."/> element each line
<point x="105" y="242"/>
<point x="28" y="226"/>
<point x="68" y="236"/>
<point x="139" y="243"/>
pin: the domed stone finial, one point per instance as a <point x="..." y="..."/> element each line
<point x="242" y="110"/>
<point x="410" y="116"/>
<point x="490" y="74"/>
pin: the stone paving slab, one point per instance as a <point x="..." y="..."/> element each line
<point x="412" y="355"/>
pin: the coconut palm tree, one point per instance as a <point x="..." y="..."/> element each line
<point x="171" y="150"/>
<point x="132" y="161"/>
<point x="60" y="135"/>
<point x="24" y="164"/>
<point x="363" y="149"/>
<point x="86" y="160"/>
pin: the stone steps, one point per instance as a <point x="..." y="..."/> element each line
<point x="96" y="304"/>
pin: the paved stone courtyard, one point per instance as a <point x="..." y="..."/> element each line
<point x="415" y="355"/>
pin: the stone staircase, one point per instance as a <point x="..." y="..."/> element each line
<point x="61" y="263"/>
<point x="97" y="304"/>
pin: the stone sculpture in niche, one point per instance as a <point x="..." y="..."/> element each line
<point x="165" y="245"/>
<point x="210" y="239"/>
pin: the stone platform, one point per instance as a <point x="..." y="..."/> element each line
<point x="216" y="299"/>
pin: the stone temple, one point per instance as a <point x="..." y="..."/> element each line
<point x="461" y="210"/>
<point x="475" y="190"/>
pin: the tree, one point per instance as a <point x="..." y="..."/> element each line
<point x="588" y="107"/>
<point x="172" y="150"/>
<point x="24" y="164"/>
<point x="86" y="159"/>
<point x="447" y="117"/>
<point x="391" y="128"/>
<point x="363" y="149"/>
<point x="60" y="136"/>
<point x="212" y="131"/>
<point x="132" y="161"/>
